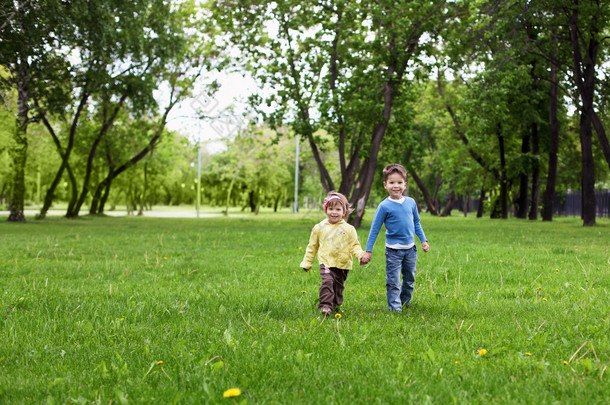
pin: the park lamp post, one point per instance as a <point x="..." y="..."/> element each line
<point x="296" y="179"/>
<point x="198" y="179"/>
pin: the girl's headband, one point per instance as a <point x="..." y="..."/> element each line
<point x="334" y="197"/>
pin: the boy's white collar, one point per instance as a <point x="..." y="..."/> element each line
<point x="402" y="199"/>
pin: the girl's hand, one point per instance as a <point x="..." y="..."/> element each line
<point x="365" y="258"/>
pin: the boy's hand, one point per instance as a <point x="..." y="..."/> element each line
<point x="425" y="246"/>
<point x="365" y="258"/>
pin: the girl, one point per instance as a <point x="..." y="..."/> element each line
<point x="335" y="241"/>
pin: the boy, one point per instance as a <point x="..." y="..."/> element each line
<point x="401" y="219"/>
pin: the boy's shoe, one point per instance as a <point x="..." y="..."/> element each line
<point x="325" y="310"/>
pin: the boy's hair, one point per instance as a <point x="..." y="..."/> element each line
<point x="394" y="168"/>
<point x="333" y="198"/>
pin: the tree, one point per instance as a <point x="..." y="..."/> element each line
<point x="335" y="65"/>
<point x="255" y="171"/>
<point x="31" y="53"/>
<point x="122" y="52"/>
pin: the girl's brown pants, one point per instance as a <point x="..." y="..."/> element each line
<point x="333" y="284"/>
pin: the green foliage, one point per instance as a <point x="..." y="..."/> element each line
<point x="257" y="169"/>
<point x="159" y="310"/>
<point x="7" y="125"/>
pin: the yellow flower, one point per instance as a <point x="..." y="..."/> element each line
<point x="165" y="257"/>
<point x="300" y="247"/>
<point x="544" y="299"/>
<point x="159" y="362"/>
<point x="303" y="291"/>
<point x="482" y="352"/>
<point x="338" y="316"/>
<point x="565" y="362"/>
<point x="500" y="261"/>
<point x="232" y="392"/>
<point x="457" y="362"/>
<point x="528" y="354"/>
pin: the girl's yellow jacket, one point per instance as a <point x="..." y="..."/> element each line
<point x="335" y="245"/>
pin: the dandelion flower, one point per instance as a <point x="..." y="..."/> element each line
<point x="457" y="362"/>
<point x="528" y="354"/>
<point x="482" y="352"/>
<point x="165" y="257"/>
<point x="544" y="299"/>
<point x="231" y="392"/>
<point x="159" y="362"/>
<point x="338" y="316"/>
<point x="304" y="292"/>
<point x="300" y="247"/>
<point x="500" y="261"/>
<point x="565" y="362"/>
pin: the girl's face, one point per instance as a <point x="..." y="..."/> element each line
<point x="334" y="213"/>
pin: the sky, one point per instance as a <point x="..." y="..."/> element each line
<point x="225" y="107"/>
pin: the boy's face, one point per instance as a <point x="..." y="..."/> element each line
<point x="395" y="184"/>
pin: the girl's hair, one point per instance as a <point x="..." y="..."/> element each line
<point x="333" y="198"/>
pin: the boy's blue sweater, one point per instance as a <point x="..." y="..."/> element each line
<point x="401" y="223"/>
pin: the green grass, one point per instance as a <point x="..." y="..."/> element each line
<point x="89" y="307"/>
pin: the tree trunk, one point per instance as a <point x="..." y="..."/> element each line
<point x="549" y="193"/>
<point x="96" y="206"/>
<point x="65" y="156"/>
<point x="144" y="190"/>
<point x="601" y="135"/>
<point x="523" y="178"/>
<point x="584" y="74"/>
<point x="503" y="174"/>
<point x="449" y="206"/>
<point x="231" y="187"/>
<point x="420" y="184"/>
<point x="19" y="150"/>
<point x="481" y="207"/>
<point x="588" y="169"/>
<point x="367" y="172"/>
<point x="105" y="184"/>
<point x="533" y="214"/>
<point x="467" y="205"/>
<point x="73" y="212"/>
<point x="104" y="198"/>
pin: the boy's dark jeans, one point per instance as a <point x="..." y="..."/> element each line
<point x="397" y="262"/>
<point x="333" y="284"/>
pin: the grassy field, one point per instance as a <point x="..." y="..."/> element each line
<point x="158" y="310"/>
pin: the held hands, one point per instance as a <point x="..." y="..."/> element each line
<point x="365" y="258"/>
<point x="425" y="246"/>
